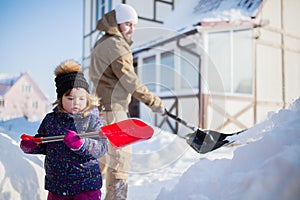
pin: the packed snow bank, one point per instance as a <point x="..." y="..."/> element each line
<point x="21" y="176"/>
<point x="267" y="168"/>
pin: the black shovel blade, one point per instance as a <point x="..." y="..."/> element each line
<point x="202" y="142"/>
<point x="215" y="135"/>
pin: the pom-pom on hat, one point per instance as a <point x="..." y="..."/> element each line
<point x="68" y="76"/>
<point x="125" y="13"/>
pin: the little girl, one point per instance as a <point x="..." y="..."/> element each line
<point x="72" y="168"/>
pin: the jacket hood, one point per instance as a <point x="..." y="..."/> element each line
<point x="108" y="24"/>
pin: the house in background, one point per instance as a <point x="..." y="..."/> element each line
<point x="230" y="62"/>
<point x="221" y="64"/>
<point x="20" y="96"/>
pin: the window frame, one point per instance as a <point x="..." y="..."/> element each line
<point x="233" y="74"/>
<point x="177" y="61"/>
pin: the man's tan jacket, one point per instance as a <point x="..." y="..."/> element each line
<point x="112" y="71"/>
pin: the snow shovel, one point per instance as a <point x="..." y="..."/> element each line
<point x="203" y="141"/>
<point x="119" y="134"/>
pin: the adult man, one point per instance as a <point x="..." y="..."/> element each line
<point x="115" y="81"/>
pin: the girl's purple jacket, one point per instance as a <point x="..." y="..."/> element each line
<point x="71" y="172"/>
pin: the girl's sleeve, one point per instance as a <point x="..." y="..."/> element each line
<point x="41" y="148"/>
<point x="94" y="147"/>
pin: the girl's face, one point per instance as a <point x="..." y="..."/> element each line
<point x="75" y="101"/>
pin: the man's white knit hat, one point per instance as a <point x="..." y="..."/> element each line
<point x="125" y="13"/>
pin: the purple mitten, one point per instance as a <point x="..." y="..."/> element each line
<point x="28" y="146"/>
<point x="73" y="141"/>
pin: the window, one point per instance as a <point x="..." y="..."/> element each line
<point x="2" y="103"/>
<point x="242" y="79"/>
<point x="167" y="75"/>
<point x="93" y="11"/>
<point x="26" y="88"/>
<point x="35" y="104"/>
<point x="231" y="55"/>
<point x="149" y="73"/>
<point x="167" y="71"/>
<point x="103" y="6"/>
<point x="220" y="61"/>
<point x="189" y="69"/>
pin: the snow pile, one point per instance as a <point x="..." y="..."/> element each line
<point x="264" y="169"/>
<point x="21" y="176"/>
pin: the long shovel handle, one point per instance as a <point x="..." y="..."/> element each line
<point x="214" y="134"/>
<point x="43" y="140"/>
<point x="193" y="128"/>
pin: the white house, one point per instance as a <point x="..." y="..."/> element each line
<point x="220" y="64"/>
<point x="20" y="96"/>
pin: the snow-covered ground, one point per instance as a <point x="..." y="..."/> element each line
<point x="265" y="166"/>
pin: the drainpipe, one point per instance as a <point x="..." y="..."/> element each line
<point x="283" y="54"/>
<point x="200" y="98"/>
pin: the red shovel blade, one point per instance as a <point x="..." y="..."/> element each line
<point x="127" y="132"/>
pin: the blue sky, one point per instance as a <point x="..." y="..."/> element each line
<point x="36" y="35"/>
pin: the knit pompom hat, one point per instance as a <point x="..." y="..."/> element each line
<point x="68" y="76"/>
<point x="125" y="13"/>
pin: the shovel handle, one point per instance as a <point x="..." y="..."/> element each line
<point x="180" y="120"/>
<point x="40" y="140"/>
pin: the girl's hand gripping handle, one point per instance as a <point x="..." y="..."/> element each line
<point x="29" y="143"/>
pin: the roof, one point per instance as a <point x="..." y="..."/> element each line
<point x="197" y="11"/>
<point x="187" y="16"/>
<point x="7" y="81"/>
<point x="8" y="78"/>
